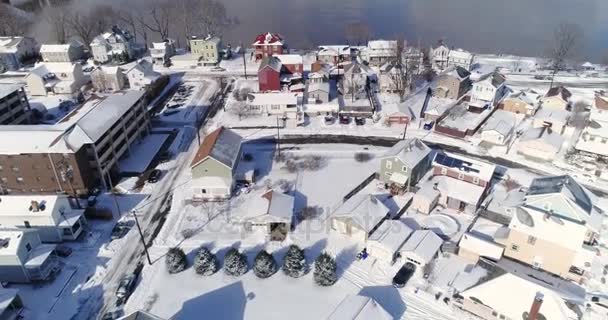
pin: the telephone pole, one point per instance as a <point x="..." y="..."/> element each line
<point x="244" y="60"/>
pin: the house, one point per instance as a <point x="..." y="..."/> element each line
<point x="594" y="137"/>
<point x="453" y="83"/>
<point x="283" y="104"/>
<point x="460" y="119"/>
<point x="379" y="52"/>
<point x="391" y="77"/>
<point x="407" y="162"/>
<point x="14" y="51"/>
<point x="557" y="98"/>
<point x="334" y="55"/>
<point x="460" y="58"/>
<point x="354" y="89"/>
<point x="24" y="258"/>
<point x="117" y="45"/>
<point x="141" y="315"/>
<point x="318" y="92"/>
<point x="141" y="75"/>
<point x="52" y="216"/>
<point x="587" y="66"/>
<point x="359" y="216"/>
<point x="14" y="105"/>
<point x="524" y="102"/>
<point x="425" y="199"/>
<point x="214" y="165"/>
<point x="267" y="45"/>
<point x="439" y="56"/>
<point x="208" y="49"/>
<point x="385" y="243"/>
<point x="488" y="91"/>
<point x="292" y="63"/>
<point x="421" y="247"/>
<point x="488" y="301"/>
<point x="556" y="119"/>
<point x="108" y="79"/>
<point x="356" y="307"/>
<point x="462" y="182"/>
<point x="270" y="213"/>
<point x="601" y="100"/>
<point x="269" y="74"/>
<point x="70" y="52"/>
<point x="161" y="52"/>
<point x="11" y="304"/>
<point x="55" y="78"/>
<point x="499" y="128"/>
<point x="89" y="142"/>
<point x="540" y="143"/>
<point x="472" y="247"/>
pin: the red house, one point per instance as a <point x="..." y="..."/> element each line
<point x="292" y="63"/>
<point x="267" y="45"/>
<point x="269" y="74"/>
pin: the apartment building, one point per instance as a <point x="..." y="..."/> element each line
<point x="52" y="216"/>
<point x="24" y="258"/>
<point x="69" y="52"/>
<point x="78" y="153"/>
<point x="207" y="49"/>
<point x="14" y="106"/>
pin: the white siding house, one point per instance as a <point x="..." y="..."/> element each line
<point x="488" y="90"/>
<point x="24" y="258"/>
<point x="62" y="52"/>
<point x="460" y="58"/>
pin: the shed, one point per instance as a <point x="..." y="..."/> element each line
<point x="421" y="247"/>
<point x="359" y="216"/>
<point x="271" y="213"/>
<point x="472" y="247"/>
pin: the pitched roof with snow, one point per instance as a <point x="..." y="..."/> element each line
<point x="363" y="209"/>
<point x="269" y="98"/>
<point x="492" y="294"/>
<point x="458" y="72"/>
<point x="460" y="54"/>
<point x="496" y="79"/>
<point x="560" y="91"/>
<point x="7" y="296"/>
<point x="6" y="89"/>
<point x="334" y="50"/>
<point x="423" y="243"/>
<point x="482" y="247"/>
<point x="483" y="170"/>
<point x="411" y="152"/>
<point x="280" y="205"/>
<point x="502" y="122"/>
<point x="356" y="307"/>
<point x="544" y="134"/>
<point x="529" y="96"/>
<point x="289" y="58"/>
<point x="392" y="234"/>
<point x="222" y="145"/>
<point x="271" y="62"/>
<point x="268" y="39"/>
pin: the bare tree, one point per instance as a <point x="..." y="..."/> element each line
<point x="566" y="41"/>
<point x="580" y="115"/>
<point x="357" y="33"/>
<point x="161" y="18"/>
<point x="404" y="68"/>
<point x="213" y="17"/>
<point x="241" y="109"/>
<point x="88" y="24"/>
<point x="10" y="23"/>
<point x="516" y="65"/>
<point x="134" y="18"/>
<point x="58" y="19"/>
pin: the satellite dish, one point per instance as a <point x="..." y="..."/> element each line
<point x="524" y="217"/>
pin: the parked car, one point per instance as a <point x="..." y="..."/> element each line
<point x="125" y="288"/>
<point x="174" y="106"/>
<point x="170" y="112"/>
<point x="120" y="230"/>
<point x="600" y="300"/>
<point x="344" y="119"/>
<point x="403" y="275"/>
<point x="63" y="251"/>
<point x="359" y="121"/>
<point x="91" y="201"/>
<point x="218" y="69"/>
<point x="165" y="156"/>
<point x="429" y="125"/>
<point x="154" y="176"/>
<point x="113" y="314"/>
<point x="98" y="213"/>
<point x="329" y="120"/>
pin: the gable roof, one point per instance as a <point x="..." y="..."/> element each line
<point x="334" y="50"/>
<point x="561" y="92"/>
<point x="356" y="307"/>
<point x="423" y="243"/>
<point x="492" y="294"/>
<point x="222" y="145"/>
<point x="502" y="122"/>
<point x="496" y="79"/>
<point x="544" y="134"/>
<point x="458" y="72"/>
<point x="460" y="53"/>
<point x="289" y="58"/>
<point x="363" y="209"/>
<point x="392" y="234"/>
<point x="483" y="170"/>
<point x="268" y="39"/>
<point x="271" y="62"/>
<point x="409" y="151"/>
<point x="529" y="96"/>
<point x="280" y="205"/>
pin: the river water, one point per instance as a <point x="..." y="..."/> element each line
<point x="491" y="26"/>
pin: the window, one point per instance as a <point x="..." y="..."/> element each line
<point x="15" y="169"/>
<point x="494" y="314"/>
<point x="20" y="179"/>
<point x="0" y="168"/>
<point x="476" y="180"/>
<point x="531" y="240"/>
<point x="460" y="176"/>
<point x="444" y="171"/>
<point x="275" y="107"/>
<point x="404" y="169"/>
<point x="514" y="247"/>
<point x="27" y="224"/>
<point x="389" y="165"/>
<point x="204" y="191"/>
<point x="28" y="247"/>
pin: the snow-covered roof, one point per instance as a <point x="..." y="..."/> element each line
<point x="528" y="96"/>
<point x="587" y="64"/>
<point x="382" y="48"/>
<point x="272" y="62"/>
<point x="334" y="50"/>
<point x="7" y="296"/>
<point x="483" y="170"/>
<point x="60" y="67"/>
<point x="363" y="209"/>
<point x="559" y="91"/>
<point x="9" y="44"/>
<point x="502" y="122"/>
<point x="460" y="54"/>
<point x="270" y="98"/>
<point x="522" y="295"/>
<point x="222" y="145"/>
<point x="550" y="114"/>
<point x="482" y="247"/>
<point x="409" y="151"/>
<point x="544" y="134"/>
<point x="140" y="315"/>
<point x="209" y="38"/>
<point x="459" y="189"/>
<point x="318" y="86"/>
<point x="19" y="205"/>
<point x="289" y="58"/>
<point x="280" y="205"/>
<point x="6" y="89"/>
<point x="496" y="79"/>
<point x="458" y="72"/>
<point x="423" y="243"/>
<point x="59" y="47"/>
<point x="268" y="39"/>
<point x="392" y="234"/>
<point x="10" y="240"/>
<point x="356" y="307"/>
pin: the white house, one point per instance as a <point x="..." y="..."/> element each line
<point x="108" y="78"/>
<point x="52" y="216"/>
<point x="141" y="75"/>
<point x="379" y="52"/>
<point x="421" y="247"/>
<point x="271" y="213"/>
<point x="499" y="128"/>
<point x="386" y="242"/>
<point x="69" y="52"/>
<point x="283" y="104"/>
<point x="358" y="216"/>
<point x="13" y="50"/>
<point x="117" y="44"/>
<point x="594" y="139"/>
<point x="333" y="54"/>
<point x="56" y="77"/>
<point x="472" y="247"/>
<point x="540" y="143"/>
<point x="460" y="58"/>
<point x="161" y="52"/>
<point x="488" y="90"/>
<point x="24" y="258"/>
<point x="557" y="98"/>
<point x="488" y="300"/>
<point x="556" y="119"/>
<point x="356" y="307"/>
<point x="440" y="56"/>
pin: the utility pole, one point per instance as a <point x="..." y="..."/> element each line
<point x="405" y="130"/>
<point x="278" y="139"/>
<point x="244" y="60"/>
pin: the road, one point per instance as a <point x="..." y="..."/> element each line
<point x="149" y="214"/>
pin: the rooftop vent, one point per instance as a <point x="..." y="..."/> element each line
<point x="4" y="242"/>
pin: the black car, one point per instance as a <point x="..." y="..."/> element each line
<point x="344" y="119"/>
<point x="403" y="275"/>
<point x="154" y="176"/>
<point x="359" y="121"/>
<point x="120" y="230"/>
<point x="329" y="120"/>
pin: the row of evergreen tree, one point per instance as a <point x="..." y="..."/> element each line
<point x="264" y="264"/>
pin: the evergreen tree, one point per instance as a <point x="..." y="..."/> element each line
<point x="294" y="264"/>
<point x="176" y="260"/>
<point x="325" y="270"/>
<point x="235" y="263"/>
<point x="264" y="265"/>
<point x="205" y="262"/>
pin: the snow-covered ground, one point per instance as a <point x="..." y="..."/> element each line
<point x="145" y="152"/>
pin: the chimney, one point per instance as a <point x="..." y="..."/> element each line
<point x="535" y="308"/>
<point x="34" y="206"/>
